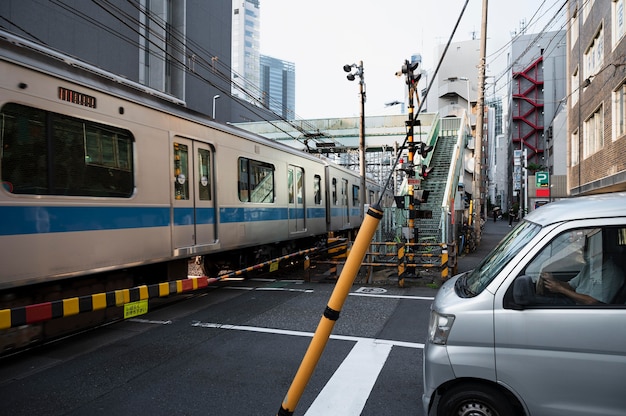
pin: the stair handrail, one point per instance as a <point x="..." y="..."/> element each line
<point x="453" y="175"/>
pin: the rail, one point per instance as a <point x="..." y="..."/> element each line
<point x="134" y="300"/>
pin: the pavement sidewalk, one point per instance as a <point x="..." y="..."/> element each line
<point x="492" y="233"/>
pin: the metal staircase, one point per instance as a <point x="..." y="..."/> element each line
<point x="429" y="229"/>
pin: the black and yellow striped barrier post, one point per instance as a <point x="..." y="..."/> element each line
<point x="331" y="313"/>
<point x="401" y="264"/>
<point x="444" y="263"/>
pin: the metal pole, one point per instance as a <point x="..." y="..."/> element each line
<point x="479" y="124"/>
<point x="215" y="97"/>
<point x="362" y="137"/>
<point x="331" y="313"/>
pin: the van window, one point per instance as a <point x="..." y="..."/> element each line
<point x="478" y="279"/>
<point x="583" y="266"/>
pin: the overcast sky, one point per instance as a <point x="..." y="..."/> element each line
<point x="320" y="36"/>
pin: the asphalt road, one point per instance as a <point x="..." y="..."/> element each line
<point x="234" y="351"/>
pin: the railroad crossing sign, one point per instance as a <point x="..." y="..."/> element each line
<point x="542" y="179"/>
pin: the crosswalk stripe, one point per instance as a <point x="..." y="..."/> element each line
<point x="358" y="372"/>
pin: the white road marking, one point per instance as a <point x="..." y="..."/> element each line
<point x="305" y="334"/>
<point x="358" y="371"/>
<point x="148" y="321"/>
<point x="348" y="389"/>
<point x="372" y="295"/>
<point x="372" y="290"/>
<point x="269" y="289"/>
<point x="284" y="289"/>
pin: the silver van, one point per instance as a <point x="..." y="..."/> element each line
<point x="539" y="327"/>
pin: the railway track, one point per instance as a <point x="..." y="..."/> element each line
<point x="44" y="313"/>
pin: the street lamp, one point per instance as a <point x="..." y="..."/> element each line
<point x="358" y="72"/>
<point x="215" y="97"/>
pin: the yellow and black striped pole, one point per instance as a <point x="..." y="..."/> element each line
<point x="331" y="313"/>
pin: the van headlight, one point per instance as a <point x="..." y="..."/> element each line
<point x="439" y="328"/>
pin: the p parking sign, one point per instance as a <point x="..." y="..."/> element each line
<point x="542" y="179"/>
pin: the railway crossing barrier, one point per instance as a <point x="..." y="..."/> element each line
<point x="409" y="259"/>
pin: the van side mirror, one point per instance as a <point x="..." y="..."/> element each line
<point x="523" y="291"/>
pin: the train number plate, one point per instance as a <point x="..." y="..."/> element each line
<point x="133" y="309"/>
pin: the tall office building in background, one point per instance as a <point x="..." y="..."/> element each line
<point x="278" y="86"/>
<point x="245" y="50"/>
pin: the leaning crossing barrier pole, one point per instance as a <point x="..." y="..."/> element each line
<point x="331" y="313"/>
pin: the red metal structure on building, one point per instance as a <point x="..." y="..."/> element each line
<point x="527" y="110"/>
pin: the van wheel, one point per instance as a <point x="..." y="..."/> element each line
<point x="474" y="400"/>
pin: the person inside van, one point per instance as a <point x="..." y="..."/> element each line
<point x="597" y="282"/>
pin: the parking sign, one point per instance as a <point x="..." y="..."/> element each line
<point x="541" y="179"/>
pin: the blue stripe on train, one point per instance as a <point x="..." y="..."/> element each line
<point x="56" y="219"/>
<point x="15" y="220"/>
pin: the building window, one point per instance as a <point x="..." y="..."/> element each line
<point x="573" y="29"/>
<point x="594" y="55"/>
<point x="574" y="146"/>
<point x="594" y="133"/>
<point x="575" y="88"/>
<point x="619" y="112"/>
<point x="587" y="6"/>
<point x="617" y="19"/>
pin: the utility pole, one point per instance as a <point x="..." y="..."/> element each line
<point x="478" y="145"/>
<point x="351" y="77"/>
<point x="362" y="138"/>
<point x="408" y="69"/>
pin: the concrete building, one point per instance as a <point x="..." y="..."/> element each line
<point x="181" y="49"/>
<point x="596" y="108"/>
<point x="455" y="88"/>
<point x="537" y="87"/>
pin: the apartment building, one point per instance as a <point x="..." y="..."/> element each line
<point x="596" y="104"/>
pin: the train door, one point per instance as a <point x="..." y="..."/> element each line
<point x="193" y="196"/>
<point x="295" y="184"/>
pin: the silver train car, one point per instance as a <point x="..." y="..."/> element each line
<point x="99" y="176"/>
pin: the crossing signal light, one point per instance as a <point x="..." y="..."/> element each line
<point x="408" y="69"/>
<point x="425" y="171"/>
<point x="423" y="149"/>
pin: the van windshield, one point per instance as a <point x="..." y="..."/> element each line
<point x="477" y="280"/>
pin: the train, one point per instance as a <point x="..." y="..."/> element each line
<point x="107" y="181"/>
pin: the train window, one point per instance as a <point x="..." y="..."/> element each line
<point x="46" y="153"/>
<point x="299" y="185"/>
<point x="355" y="195"/>
<point x="344" y="195"/>
<point x="256" y="181"/>
<point x="290" y="185"/>
<point x="334" y="191"/>
<point x="204" y="174"/>
<point x="317" y="189"/>
<point x="181" y="171"/>
<point x="295" y="184"/>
